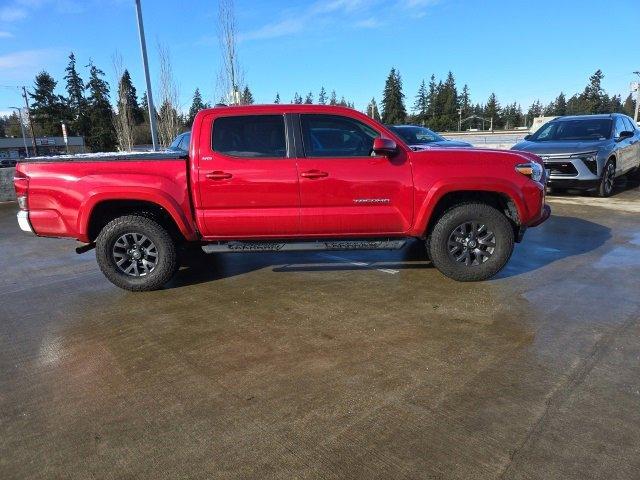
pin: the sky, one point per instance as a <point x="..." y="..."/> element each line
<point x="522" y="50"/>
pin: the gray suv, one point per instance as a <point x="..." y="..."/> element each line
<point x="586" y="151"/>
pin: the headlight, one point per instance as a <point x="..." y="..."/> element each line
<point x="532" y="170"/>
<point x="590" y="160"/>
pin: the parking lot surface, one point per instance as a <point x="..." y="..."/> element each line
<point x="343" y="365"/>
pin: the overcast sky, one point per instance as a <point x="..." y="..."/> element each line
<point x="522" y="50"/>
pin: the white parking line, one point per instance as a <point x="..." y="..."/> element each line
<point x="360" y="264"/>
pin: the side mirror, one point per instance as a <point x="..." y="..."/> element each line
<point x="625" y="134"/>
<point x="527" y="137"/>
<point x="384" y="146"/>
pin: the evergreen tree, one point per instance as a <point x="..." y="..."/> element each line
<point x="309" y="99"/>
<point x="372" y="110"/>
<point x="421" y="105"/>
<point x="343" y="102"/>
<point x="76" y="103"/>
<point x="333" y="100"/>
<point x="465" y="101"/>
<point x="297" y="99"/>
<point x="393" y="109"/>
<point x="277" y="99"/>
<point x="102" y="135"/>
<point x="560" y="105"/>
<point x="594" y="98"/>
<point x="431" y="96"/>
<point x="196" y="105"/>
<point x="535" y="110"/>
<point x="247" y="97"/>
<point x="322" y="97"/>
<point x="492" y="110"/>
<point x="47" y="108"/>
<point x="629" y="106"/>
<point x="128" y="91"/>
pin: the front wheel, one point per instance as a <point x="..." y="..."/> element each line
<point x="471" y="242"/>
<point x="605" y="189"/>
<point x="136" y="253"/>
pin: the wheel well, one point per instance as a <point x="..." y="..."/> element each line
<point x="106" y="211"/>
<point x="499" y="201"/>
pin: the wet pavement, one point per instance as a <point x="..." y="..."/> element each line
<point x="343" y="365"/>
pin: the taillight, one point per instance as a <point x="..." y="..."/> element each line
<point x="21" y="185"/>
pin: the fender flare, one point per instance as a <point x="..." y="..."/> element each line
<point x="467" y="184"/>
<point x="144" y="194"/>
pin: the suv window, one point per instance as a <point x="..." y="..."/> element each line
<point x="250" y="136"/>
<point x="336" y="136"/>
<point x="620" y="126"/>
<point x="629" y="124"/>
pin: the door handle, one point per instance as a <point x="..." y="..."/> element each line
<point x="218" y="175"/>
<point x="314" y="174"/>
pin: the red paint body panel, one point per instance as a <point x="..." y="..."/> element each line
<point x="212" y="196"/>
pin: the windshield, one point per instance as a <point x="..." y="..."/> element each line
<point x="583" y="129"/>
<point x="416" y="135"/>
<point x="181" y="143"/>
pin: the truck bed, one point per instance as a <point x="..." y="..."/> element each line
<point x="109" y="157"/>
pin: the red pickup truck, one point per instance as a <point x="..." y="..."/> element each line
<point x="285" y="178"/>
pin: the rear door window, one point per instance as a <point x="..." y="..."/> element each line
<point x="252" y="136"/>
<point x="628" y="124"/>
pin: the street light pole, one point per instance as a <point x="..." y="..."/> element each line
<point x="33" y="135"/>
<point x="145" y="63"/>
<point x="24" y="137"/>
<point x="635" y="115"/>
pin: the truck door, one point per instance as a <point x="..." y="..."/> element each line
<point x="344" y="189"/>
<point x="247" y="182"/>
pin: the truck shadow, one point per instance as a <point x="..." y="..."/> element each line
<point x="558" y="238"/>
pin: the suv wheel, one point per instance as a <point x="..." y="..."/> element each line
<point x="136" y="253"/>
<point x="605" y="189"/>
<point x="471" y="242"/>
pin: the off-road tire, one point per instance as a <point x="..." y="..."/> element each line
<point x="494" y="220"/>
<point x="167" y="262"/>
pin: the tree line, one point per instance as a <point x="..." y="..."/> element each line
<point x="86" y="109"/>
<point x="441" y="106"/>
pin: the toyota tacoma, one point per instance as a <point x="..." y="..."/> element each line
<point x="284" y="178"/>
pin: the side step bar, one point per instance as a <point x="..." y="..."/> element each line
<point x="312" y="246"/>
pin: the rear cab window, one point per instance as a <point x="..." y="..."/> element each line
<point x="250" y="136"/>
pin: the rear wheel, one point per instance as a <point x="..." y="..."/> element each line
<point x="605" y="189"/>
<point x="136" y="253"/>
<point x="471" y="242"/>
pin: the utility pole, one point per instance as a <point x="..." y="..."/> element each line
<point x="24" y="137"/>
<point x="33" y="135"/>
<point x="145" y="63"/>
<point x="459" y="119"/>
<point x="635" y="115"/>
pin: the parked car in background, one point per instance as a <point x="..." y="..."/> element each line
<point x="420" y="138"/>
<point x="181" y="143"/>
<point x="7" y="162"/>
<point x="271" y="178"/>
<point x="586" y="151"/>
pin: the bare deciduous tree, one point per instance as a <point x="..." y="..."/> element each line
<point x="122" y="121"/>
<point x="230" y="78"/>
<point x="168" y="121"/>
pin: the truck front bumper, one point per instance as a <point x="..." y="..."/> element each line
<point x="23" y="221"/>
<point x="544" y="215"/>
